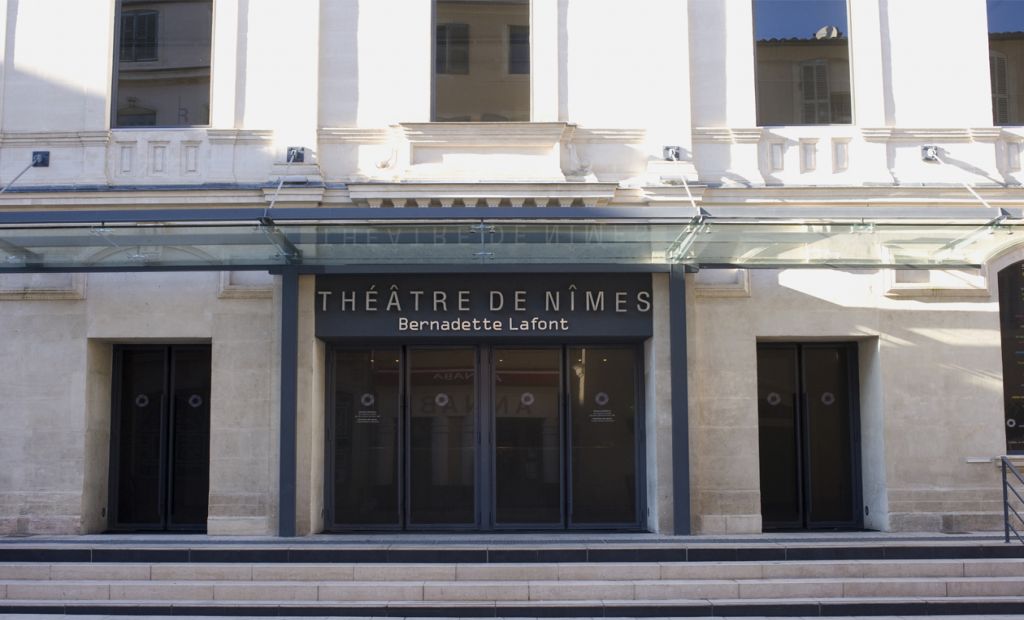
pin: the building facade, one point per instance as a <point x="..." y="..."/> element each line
<point x="679" y="266"/>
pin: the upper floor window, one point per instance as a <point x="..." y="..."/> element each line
<point x="451" y="55"/>
<point x="162" y="65"/>
<point x="138" y="35"/>
<point x="1005" y="60"/>
<point x="803" y="62"/>
<point x="519" y="50"/>
<point x="481" y="60"/>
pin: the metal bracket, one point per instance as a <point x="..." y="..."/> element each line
<point x="280" y="241"/>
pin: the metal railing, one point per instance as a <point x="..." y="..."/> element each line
<point x="1016" y="488"/>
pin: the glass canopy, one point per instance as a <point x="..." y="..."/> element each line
<point x="702" y="242"/>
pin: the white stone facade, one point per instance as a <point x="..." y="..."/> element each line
<point x="612" y="83"/>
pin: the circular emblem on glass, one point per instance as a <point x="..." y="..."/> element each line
<point x="828" y="398"/>
<point x="195" y="401"/>
<point x="773" y="399"/>
<point x="142" y="400"/>
<point x="441" y="400"/>
<point x="527" y="399"/>
<point x="367" y="399"/>
<point x="601" y="398"/>
<point x="1011" y="423"/>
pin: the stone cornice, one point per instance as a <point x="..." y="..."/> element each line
<point x="355" y="135"/>
<point x="489" y="194"/>
<point x="612" y="136"/>
<point x="931" y="134"/>
<point x="228" y="136"/>
<point x="30" y="139"/>
<point x="727" y="135"/>
<point x="484" y="134"/>
<point x="865" y="196"/>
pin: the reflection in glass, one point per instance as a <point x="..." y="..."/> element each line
<point x="442" y="429"/>
<point x="163" y="69"/>
<point x="190" y="435"/>
<point x="482" y="60"/>
<point x="527" y="436"/>
<point x="803" y="62"/>
<point x="829" y="452"/>
<point x="779" y="436"/>
<point x="602" y="396"/>
<point x="1006" y="59"/>
<point x="366" y="449"/>
<point x="140" y="437"/>
<point x="1011" y="320"/>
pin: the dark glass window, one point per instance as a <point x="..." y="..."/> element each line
<point x="519" y="50"/>
<point x="138" y="35"/>
<point x="803" y="62"/>
<point x="602" y="401"/>
<point x="1011" y="320"/>
<point x="452" y="55"/>
<point x="1006" y="57"/>
<point x="481" y="50"/>
<point x="171" y="88"/>
<point x="366" y="423"/>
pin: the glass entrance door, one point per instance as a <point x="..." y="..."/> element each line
<point x="442" y="417"/>
<point x="528" y="437"/>
<point x="486" y="437"/>
<point x="160" y="439"/>
<point x="808" y="430"/>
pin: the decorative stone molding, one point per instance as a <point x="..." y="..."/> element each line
<point x="42" y="287"/>
<point x="676" y="195"/>
<point x="355" y="135"/>
<point x="304" y="194"/>
<point x="926" y="135"/>
<point x="58" y="139"/>
<point x="485" y="134"/>
<point x="231" y="136"/>
<point x="727" y="135"/>
<point x="443" y="195"/>
<point x="876" y="134"/>
<point x="939" y="283"/>
<point x="732" y="283"/>
<point x="229" y="289"/>
<point x="609" y="136"/>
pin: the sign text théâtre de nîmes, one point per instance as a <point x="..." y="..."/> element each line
<point x="483" y="305"/>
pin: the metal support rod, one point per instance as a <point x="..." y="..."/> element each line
<point x="680" y="402"/>
<point x="18" y="176"/>
<point x="289" y="401"/>
<point x="1006" y="506"/>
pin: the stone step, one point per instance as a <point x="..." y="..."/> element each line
<point x="379" y="549"/>
<point x="510" y="572"/>
<point x="498" y="591"/>
<point x="865" y="606"/>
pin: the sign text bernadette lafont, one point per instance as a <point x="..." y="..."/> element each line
<point x="589" y="305"/>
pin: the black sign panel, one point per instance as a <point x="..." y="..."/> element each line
<point x="474" y="306"/>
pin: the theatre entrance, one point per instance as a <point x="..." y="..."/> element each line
<point x="483" y="437"/>
<point x="160" y="438"/>
<point x="809" y="436"/>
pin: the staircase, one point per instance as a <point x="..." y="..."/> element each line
<point x="550" y="578"/>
